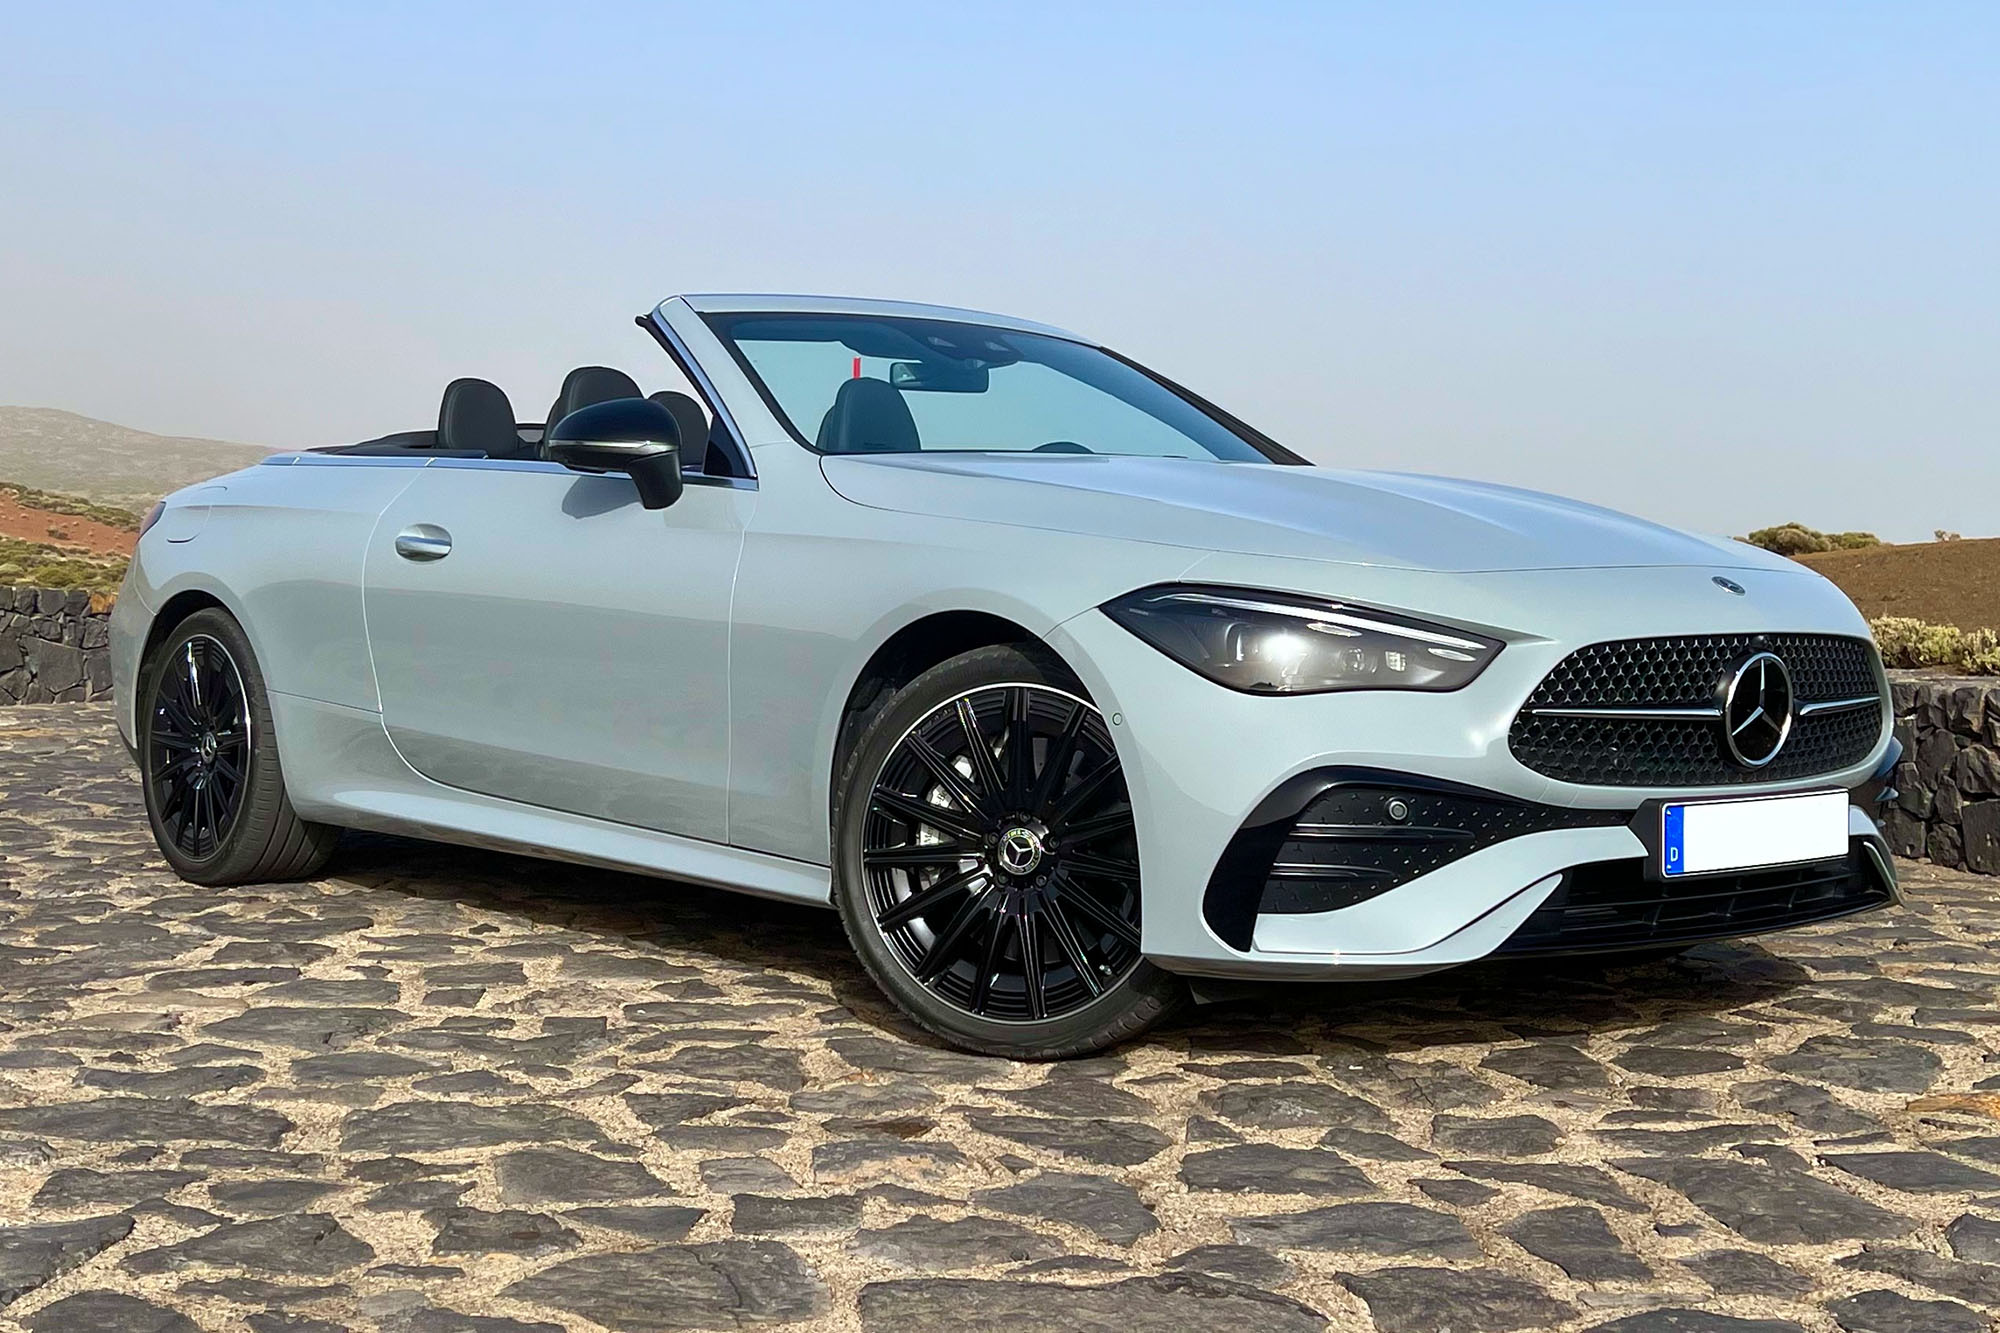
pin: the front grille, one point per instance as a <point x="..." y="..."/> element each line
<point x="1613" y="905"/>
<point x="1350" y="835"/>
<point x="1685" y="673"/>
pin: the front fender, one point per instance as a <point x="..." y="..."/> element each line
<point x="823" y="584"/>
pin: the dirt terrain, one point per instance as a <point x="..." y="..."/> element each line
<point x="1946" y="583"/>
<point x="70" y="532"/>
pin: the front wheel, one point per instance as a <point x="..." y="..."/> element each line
<point x="987" y="861"/>
<point x="215" y="795"/>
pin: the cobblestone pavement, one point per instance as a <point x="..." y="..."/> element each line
<point x="449" y="1092"/>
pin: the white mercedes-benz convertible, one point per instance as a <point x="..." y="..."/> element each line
<point x="1063" y="685"/>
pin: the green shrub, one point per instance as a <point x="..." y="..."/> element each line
<point x="1790" y="539"/>
<point x="33" y="565"/>
<point x="1906" y="642"/>
<point x="1798" y="539"/>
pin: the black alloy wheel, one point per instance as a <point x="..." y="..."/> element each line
<point x="1000" y="854"/>
<point x="198" y="746"/>
<point x="208" y="760"/>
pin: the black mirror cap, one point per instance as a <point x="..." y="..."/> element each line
<point x="618" y="421"/>
<point x="632" y="435"/>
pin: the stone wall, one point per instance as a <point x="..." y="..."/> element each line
<point x="1949" y="809"/>
<point x="53" y="647"/>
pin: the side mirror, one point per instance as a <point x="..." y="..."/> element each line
<point x="630" y="435"/>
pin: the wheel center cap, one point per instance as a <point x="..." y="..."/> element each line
<point x="1019" y="850"/>
<point x="207" y="746"/>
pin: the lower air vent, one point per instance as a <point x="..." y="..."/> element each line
<point x="1613" y="905"/>
<point x="1333" y="839"/>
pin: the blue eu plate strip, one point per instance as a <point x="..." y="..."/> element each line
<point x="1673" y="860"/>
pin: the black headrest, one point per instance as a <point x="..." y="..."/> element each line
<point x="692" y="421"/>
<point x="868" y="416"/>
<point x="587" y="386"/>
<point x="476" y="416"/>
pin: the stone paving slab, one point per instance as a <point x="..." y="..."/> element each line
<point x="440" y="1091"/>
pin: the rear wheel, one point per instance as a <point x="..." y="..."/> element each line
<point x="987" y="861"/>
<point x="215" y="794"/>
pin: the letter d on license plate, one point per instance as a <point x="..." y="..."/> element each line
<point x="1702" y="837"/>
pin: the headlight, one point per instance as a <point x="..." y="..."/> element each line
<point x="1274" y="643"/>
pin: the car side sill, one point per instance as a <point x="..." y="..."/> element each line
<point x="356" y="779"/>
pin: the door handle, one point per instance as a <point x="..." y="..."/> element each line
<point x="423" y="541"/>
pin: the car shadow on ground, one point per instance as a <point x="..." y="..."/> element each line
<point x="1558" y="1000"/>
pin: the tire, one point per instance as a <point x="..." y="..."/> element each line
<point x="208" y="762"/>
<point x="953" y="870"/>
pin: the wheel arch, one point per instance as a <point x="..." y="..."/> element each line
<point x="196" y="592"/>
<point x="188" y="596"/>
<point x="176" y="609"/>
<point x="919" y="645"/>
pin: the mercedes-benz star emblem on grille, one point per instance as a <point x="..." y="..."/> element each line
<point x="1757" y="707"/>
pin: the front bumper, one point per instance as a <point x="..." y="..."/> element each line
<point x="1565" y="891"/>
<point x="1575" y="891"/>
<point x="1201" y="760"/>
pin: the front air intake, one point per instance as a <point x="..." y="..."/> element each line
<point x="1335" y="838"/>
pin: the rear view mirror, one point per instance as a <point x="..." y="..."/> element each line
<point x="938" y="377"/>
<point x="631" y="435"/>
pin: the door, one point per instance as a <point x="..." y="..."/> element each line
<point x="537" y="635"/>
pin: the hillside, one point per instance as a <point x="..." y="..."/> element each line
<point x="60" y="541"/>
<point x="1946" y="583"/>
<point x="52" y="450"/>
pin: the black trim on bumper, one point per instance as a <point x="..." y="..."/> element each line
<point x="1335" y="837"/>
<point x="1606" y="906"/>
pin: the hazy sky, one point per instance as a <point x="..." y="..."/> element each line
<point x="1720" y="265"/>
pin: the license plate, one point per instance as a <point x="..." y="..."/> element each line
<point x="1702" y="837"/>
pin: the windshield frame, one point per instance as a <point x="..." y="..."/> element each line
<point x="716" y="322"/>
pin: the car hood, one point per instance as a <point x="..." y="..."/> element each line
<point x="1396" y="520"/>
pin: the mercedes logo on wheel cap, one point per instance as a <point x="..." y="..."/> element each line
<point x="1756" y="709"/>
<point x="1020" y="851"/>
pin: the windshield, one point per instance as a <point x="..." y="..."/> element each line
<point x="849" y="384"/>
